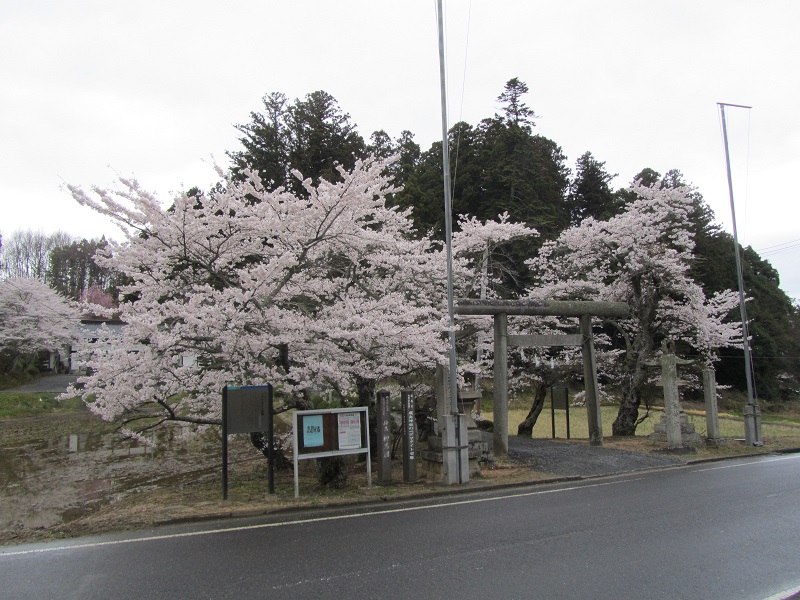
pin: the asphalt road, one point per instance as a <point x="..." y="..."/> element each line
<point x="47" y="383"/>
<point x="719" y="530"/>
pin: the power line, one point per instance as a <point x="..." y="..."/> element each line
<point x="769" y="250"/>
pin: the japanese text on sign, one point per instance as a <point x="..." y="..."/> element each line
<point x="312" y="431"/>
<point x="349" y="430"/>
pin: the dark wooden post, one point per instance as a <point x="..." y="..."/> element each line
<point x="384" y="437"/>
<point x="225" y="443"/>
<point x="270" y="439"/>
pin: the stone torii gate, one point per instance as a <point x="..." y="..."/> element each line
<point x="583" y="310"/>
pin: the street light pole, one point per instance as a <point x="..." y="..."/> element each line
<point x="752" y="413"/>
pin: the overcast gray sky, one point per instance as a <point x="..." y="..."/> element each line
<point x="92" y="88"/>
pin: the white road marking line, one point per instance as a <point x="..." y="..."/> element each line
<point x="747" y="464"/>
<point x="387" y="511"/>
<point x="784" y="594"/>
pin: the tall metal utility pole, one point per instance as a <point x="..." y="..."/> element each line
<point x="752" y="413"/>
<point x="456" y="471"/>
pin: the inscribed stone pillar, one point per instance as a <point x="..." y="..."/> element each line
<point x="409" y="437"/>
<point x="672" y="407"/>
<point x="383" y="411"/>
<point x="712" y="414"/>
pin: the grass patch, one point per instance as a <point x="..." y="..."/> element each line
<point x="10" y="381"/>
<point x="786" y="430"/>
<point x="29" y="405"/>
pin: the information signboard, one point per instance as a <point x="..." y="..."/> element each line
<point x="247" y="409"/>
<point x="330" y="432"/>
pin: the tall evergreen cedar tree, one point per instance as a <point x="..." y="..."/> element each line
<point x="590" y="194"/>
<point x="331" y="243"/>
<point x="311" y="136"/>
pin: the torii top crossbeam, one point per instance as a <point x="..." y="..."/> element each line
<point x="544" y="308"/>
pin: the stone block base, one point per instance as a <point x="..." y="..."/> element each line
<point x="479" y="451"/>
<point x="689" y="437"/>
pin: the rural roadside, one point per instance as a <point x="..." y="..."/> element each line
<point x="63" y="473"/>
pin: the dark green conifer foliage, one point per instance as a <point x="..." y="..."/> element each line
<point x="404" y="148"/>
<point x="590" y="193"/>
<point x="498" y="166"/>
<point x="312" y="135"/>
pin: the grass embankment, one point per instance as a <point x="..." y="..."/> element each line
<point x="30" y="405"/>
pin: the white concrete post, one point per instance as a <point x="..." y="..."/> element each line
<point x="500" y="385"/>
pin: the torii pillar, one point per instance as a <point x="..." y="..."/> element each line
<point x="583" y="310"/>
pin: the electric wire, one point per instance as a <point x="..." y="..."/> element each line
<point x="775" y="249"/>
<point x="768" y="248"/>
<point x="461" y="109"/>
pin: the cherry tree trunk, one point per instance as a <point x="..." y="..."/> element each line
<point x="526" y="427"/>
<point x="366" y="390"/>
<point x="628" y="414"/>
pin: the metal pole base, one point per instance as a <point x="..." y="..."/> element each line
<point x="454" y="450"/>
<point x="752" y="426"/>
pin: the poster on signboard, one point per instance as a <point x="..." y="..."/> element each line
<point x="349" y="430"/>
<point x="312" y="431"/>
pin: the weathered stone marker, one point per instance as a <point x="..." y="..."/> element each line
<point x="675" y="427"/>
<point x="384" y="431"/>
<point x="712" y="414"/>
<point x="409" y="437"/>
<point x="672" y="403"/>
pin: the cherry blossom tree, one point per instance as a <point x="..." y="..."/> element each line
<point x="641" y="257"/>
<point x="33" y="318"/>
<point x="219" y="283"/>
<point x="95" y="295"/>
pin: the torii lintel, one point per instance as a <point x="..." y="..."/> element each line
<point x="543" y="308"/>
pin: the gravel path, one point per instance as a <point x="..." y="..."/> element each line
<point x="565" y="459"/>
